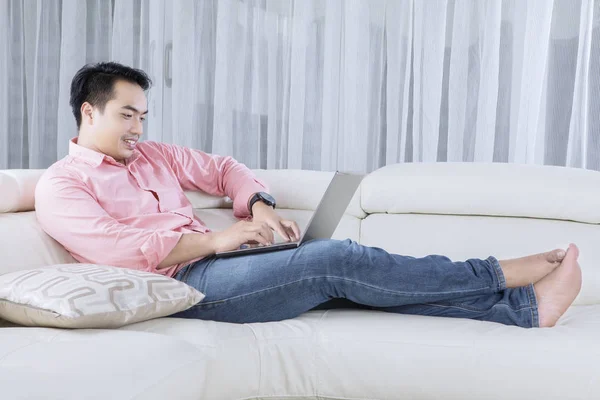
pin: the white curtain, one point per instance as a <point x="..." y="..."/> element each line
<point x="318" y="84"/>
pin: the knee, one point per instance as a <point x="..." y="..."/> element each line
<point x="343" y="253"/>
<point x="339" y="248"/>
<point x="330" y="249"/>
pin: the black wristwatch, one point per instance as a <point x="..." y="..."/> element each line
<point x="264" y="197"/>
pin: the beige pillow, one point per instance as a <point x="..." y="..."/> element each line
<point x="90" y="296"/>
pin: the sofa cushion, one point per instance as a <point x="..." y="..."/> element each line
<point x="62" y="364"/>
<point x="511" y="190"/>
<point x="356" y="354"/>
<point x="18" y="187"/>
<point x="24" y="245"/>
<point x="90" y="296"/>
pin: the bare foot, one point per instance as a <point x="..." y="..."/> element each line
<point x="525" y="270"/>
<point x="557" y="291"/>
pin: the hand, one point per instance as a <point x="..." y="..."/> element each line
<point x="241" y="233"/>
<point x="265" y="214"/>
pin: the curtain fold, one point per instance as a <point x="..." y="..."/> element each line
<point x="318" y="84"/>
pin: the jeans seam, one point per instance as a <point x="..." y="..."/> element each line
<point x="533" y="305"/>
<point x="493" y="261"/>
<point x="202" y="303"/>
<point x="186" y="273"/>
<point x="462" y="307"/>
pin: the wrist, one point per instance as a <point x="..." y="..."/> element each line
<point x="212" y="241"/>
<point x="260" y="197"/>
<point x="259" y="206"/>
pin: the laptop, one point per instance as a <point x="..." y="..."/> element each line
<point x="323" y="222"/>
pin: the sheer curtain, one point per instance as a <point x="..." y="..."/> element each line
<point x="318" y="84"/>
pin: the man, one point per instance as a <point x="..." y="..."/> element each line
<point x="116" y="201"/>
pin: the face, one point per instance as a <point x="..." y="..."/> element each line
<point x="116" y="130"/>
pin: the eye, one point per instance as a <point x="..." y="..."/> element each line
<point x="143" y="119"/>
<point x="127" y="116"/>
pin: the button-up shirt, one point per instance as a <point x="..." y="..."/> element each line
<point x="132" y="215"/>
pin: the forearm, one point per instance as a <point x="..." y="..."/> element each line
<point x="189" y="247"/>
<point x="259" y="206"/>
<point x="213" y="174"/>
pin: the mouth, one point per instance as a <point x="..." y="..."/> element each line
<point x="130" y="143"/>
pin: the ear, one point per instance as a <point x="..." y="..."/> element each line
<point x="87" y="113"/>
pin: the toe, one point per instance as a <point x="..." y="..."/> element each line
<point x="555" y="256"/>
<point x="573" y="248"/>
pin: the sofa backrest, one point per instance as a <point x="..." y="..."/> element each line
<point x="23" y="244"/>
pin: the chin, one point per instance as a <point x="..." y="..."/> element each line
<point x="124" y="155"/>
<point x="123" y="152"/>
<point x="121" y="155"/>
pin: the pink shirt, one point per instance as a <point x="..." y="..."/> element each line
<point x="133" y="215"/>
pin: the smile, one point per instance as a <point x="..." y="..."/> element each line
<point x="130" y="143"/>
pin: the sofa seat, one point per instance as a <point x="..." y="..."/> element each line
<point x="45" y="363"/>
<point x="331" y="355"/>
<point x="325" y="354"/>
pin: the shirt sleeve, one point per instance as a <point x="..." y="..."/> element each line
<point x="213" y="174"/>
<point x="68" y="212"/>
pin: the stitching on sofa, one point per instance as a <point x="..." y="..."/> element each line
<point x="31" y="344"/>
<point x="360" y="222"/>
<point x="17" y="349"/>
<point x="260" y="356"/>
<point x="318" y="334"/>
<point x="317" y="381"/>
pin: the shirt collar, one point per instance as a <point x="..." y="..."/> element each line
<point x="93" y="157"/>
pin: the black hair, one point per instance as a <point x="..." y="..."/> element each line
<point x="94" y="83"/>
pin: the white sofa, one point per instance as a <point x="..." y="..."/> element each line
<point x="461" y="210"/>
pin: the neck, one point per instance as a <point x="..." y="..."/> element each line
<point x="84" y="140"/>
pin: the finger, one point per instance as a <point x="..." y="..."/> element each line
<point x="294" y="227"/>
<point x="259" y="238"/>
<point x="267" y="232"/>
<point x="290" y="234"/>
<point x="264" y="230"/>
<point x="254" y="232"/>
<point x="282" y="231"/>
<point x="293" y="234"/>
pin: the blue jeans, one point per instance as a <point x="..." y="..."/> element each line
<point x="284" y="284"/>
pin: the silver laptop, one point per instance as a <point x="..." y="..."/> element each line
<point x="324" y="220"/>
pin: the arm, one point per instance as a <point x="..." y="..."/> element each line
<point x="213" y="174"/>
<point x="221" y="176"/>
<point x="189" y="247"/>
<point x="68" y="212"/>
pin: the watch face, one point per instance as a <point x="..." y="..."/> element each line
<point x="267" y="197"/>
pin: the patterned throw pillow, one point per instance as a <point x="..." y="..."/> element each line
<point x="90" y="296"/>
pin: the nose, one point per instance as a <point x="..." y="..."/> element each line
<point x="137" y="127"/>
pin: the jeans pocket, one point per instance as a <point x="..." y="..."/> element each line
<point x="183" y="274"/>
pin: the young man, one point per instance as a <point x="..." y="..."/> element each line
<point x="116" y="201"/>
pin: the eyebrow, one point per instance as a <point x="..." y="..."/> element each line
<point x="132" y="108"/>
